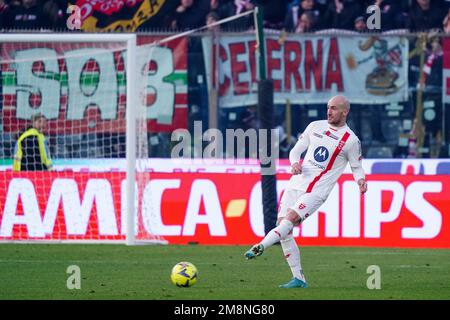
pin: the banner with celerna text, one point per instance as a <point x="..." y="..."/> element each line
<point x="310" y="69"/>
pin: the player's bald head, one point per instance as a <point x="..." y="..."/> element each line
<point x="337" y="110"/>
<point x="340" y="101"/>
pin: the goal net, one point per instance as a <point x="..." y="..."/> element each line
<point x="74" y="125"/>
<point x="78" y="113"/>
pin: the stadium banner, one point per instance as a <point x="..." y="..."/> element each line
<point x="397" y="211"/>
<point x="446" y="70"/>
<point x="309" y="69"/>
<point x="124" y="15"/>
<point x="239" y="166"/>
<point x="82" y="89"/>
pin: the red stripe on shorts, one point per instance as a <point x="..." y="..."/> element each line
<point x="330" y="164"/>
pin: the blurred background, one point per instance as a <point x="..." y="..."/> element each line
<point x="414" y="124"/>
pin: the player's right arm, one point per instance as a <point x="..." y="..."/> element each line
<point x="300" y="147"/>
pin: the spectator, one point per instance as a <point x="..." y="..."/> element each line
<point x="275" y="13"/>
<point x="433" y="61"/>
<point x="218" y="6"/>
<point x="55" y="13"/>
<point x="27" y="16"/>
<point x="360" y="24"/>
<point x="389" y="10"/>
<point x="296" y="10"/>
<point x="212" y="17"/>
<point x="341" y="14"/>
<point x="214" y="5"/>
<point x="446" y="24"/>
<point x="426" y="15"/>
<point x="306" y="23"/>
<point x="237" y="7"/>
<point x="190" y="14"/>
<point x="4" y="11"/>
<point x="321" y="5"/>
<point x="31" y="152"/>
<point x="403" y="14"/>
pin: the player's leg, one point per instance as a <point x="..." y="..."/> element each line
<point x="287" y="218"/>
<point x="293" y="258"/>
<point x="282" y="230"/>
<point x="306" y="205"/>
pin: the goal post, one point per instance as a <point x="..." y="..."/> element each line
<point x="131" y="139"/>
<point x="123" y="46"/>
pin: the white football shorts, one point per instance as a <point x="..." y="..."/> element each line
<point x="305" y="204"/>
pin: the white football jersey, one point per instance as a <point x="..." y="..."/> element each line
<point x="329" y="149"/>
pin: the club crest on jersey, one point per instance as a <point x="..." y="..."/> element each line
<point x="329" y="134"/>
<point x="321" y="154"/>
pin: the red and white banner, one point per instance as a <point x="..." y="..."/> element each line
<point x="367" y="70"/>
<point x="397" y="211"/>
<point x="81" y="87"/>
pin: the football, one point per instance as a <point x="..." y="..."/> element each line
<point x="184" y="274"/>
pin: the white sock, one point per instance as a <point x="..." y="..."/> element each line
<point x="292" y="255"/>
<point x="278" y="233"/>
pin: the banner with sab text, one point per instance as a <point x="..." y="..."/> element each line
<point x="82" y="87"/>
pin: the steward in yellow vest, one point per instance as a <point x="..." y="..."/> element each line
<point x="31" y="152"/>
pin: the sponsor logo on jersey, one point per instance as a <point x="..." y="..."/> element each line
<point x="302" y="206"/>
<point x="317" y="165"/>
<point x="321" y="154"/>
<point x="317" y="135"/>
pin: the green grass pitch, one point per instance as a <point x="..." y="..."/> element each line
<point x="38" y="271"/>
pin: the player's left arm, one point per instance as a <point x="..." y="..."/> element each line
<point x="300" y="147"/>
<point x="354" y="158"/>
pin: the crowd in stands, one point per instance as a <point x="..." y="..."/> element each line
<point x="33" y="14"/>
<point x="301" y="16"/>
<point x="290" y="15"/>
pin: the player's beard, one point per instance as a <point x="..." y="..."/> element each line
<point x="335" y="121"/>
<point x="331" y="121"/>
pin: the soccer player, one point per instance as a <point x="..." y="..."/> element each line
<point x="31" y="151"/>
<point x="329" y="146"/>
